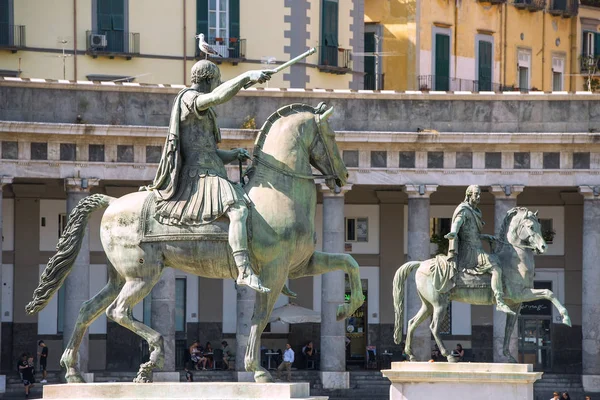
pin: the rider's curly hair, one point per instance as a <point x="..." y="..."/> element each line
<point x="204" y="70"/>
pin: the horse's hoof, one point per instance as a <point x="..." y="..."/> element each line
<point x="452" y="359"/>
<point x="342" y="312"/>
<point x="74" y="378"/>
<point x="263" y="377"/>
<point x="412" y="358"/>
<point x="142" y="379"/>
<point x="566" y="320"/>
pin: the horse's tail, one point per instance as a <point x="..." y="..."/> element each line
<point x="69" y="244"/>
<point x="398" y="288"/>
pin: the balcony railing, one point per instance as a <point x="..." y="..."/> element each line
<point x="589" y="63"/>
<point x="591" y="3"/>
<point x="231" y="49"/>
<point x="492" y="1"/>
<point x="369" y="82"/>
<point x="12" y="36"/>
<point x="564" y="8"/>
<point x="531" y="5"/>
<point x="433" y="82"/>
<point x="334" y="60"/>
<point x="113" y="43"/>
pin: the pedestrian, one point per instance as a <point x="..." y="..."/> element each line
<point x="43" y="354"/>
<point x="26" y="370"/>
<point x="228" y="354"/>
<point x="288" y="359"/>
<point x="189" y="376"/>
<point x="555" y="396"/>
<point x="565" y="396"/>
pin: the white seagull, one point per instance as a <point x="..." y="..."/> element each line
<point x="205" y="47"/>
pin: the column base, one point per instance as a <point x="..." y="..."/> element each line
<point x="591" y="383"/>
<point x="2" y="383"/>
<point x="335" y="379"/>
<point x="165" y="377"/>
<point x="88" y="376"/>
<point x="243" y="376"/>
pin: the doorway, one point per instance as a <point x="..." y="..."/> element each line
<point x="357" y="328"/>
<point x="535" y="331"/>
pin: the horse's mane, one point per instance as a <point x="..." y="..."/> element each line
<point x="284" y="112"/>
<point x="510" y="214"/>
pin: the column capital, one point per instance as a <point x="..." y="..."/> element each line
<point x="419" y="191"/>
<point x="5" y="180"/>
<point x="506" y="191"/>
<point x="338" y="192"/>
<point x="83" y="185"/>
<point x="590" y="192"/>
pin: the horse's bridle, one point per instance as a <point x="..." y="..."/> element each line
<point x="518" y="235"/>
<point x="293" y="174"/>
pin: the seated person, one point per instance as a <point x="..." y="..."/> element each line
<point x="208" y="353"/>
<point x="197" y="355"/>
<point x="458" y="352"/>
<point x="309" y="352"/>
<point x="228" y="354"/>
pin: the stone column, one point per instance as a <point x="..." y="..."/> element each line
<point x="506" y="198"/>
<point x="333" y="334"/>
<point x="163" y="318"/>
<point x="77" y="284"/>
<point x="246" y="298"/>
<point x="590" y="301"/>
<point x="4" y="180"/>
<point x="418" y="250"/>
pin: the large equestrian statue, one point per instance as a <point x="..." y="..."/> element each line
<point x="183" y="219"/>
<point x="438" y="283"/>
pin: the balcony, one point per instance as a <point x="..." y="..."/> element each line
<point x="431" y="82"/>
<point x="492" y="1"/>
<point x="564" y="8"/>
<point x="232" y="50"/>
<point x="113" y="44"/>
<point x="12" y="37"/>
<point x="590" y="3"/>
<point x="589" y="63"/>
<point x="369" y="82"/>
<point x="334" y="60"/>
<point x="530" y="5"/>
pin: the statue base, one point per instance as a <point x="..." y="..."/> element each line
<point x="464" y="381"/>
<point x="2" y="383"/>
<point x="180" y="391"/>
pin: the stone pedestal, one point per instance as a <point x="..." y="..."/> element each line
<point x="461" y="381"/>
<point x="4" y="180"/>
<point x="2" y="383"/>
<point x="418" y="250"/>
<point x="188" y="390"/>
<point x="165" y="377"/>
<point x="505" y="199"/>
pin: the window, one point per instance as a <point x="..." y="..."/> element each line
<point x="588" y="43"/>
<point x="522" y="161"/>
<point x="558" y="70"/>
<point x="407" y="159"/>
<point x="10" y="150"/>
<point x="357" y="229"/>
<point x="581" y="160"/>
<point x="378" y="159"/>
<point x="547" y="228"/>
<point x="551" y="160"/>
<point x="153" y="154"/>
<point x="5" y="22"/>
<point x="350" y="158"/>
<point x="442" y="61"/>
<point x="493" y="160"/>
<point x="180" y="295"/>
<point x="484" y="65"/>
<point x="329" y="33"/>
<point x="435" y="159"/>
<point x="39" y="151"/>
<point x="96" y="152"/>
<point x="438" y="227"/>
<point x="111" y="22"/>
<point x="68" y="152"/>
<point x="524" y="66"/>
<point x="62" y="223"/>
<point x="464" y="160"/>
<point x="219" y="19"/>
<point x="124" y="153"/>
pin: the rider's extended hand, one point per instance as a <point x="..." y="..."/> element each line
<point x="260" y="76"/>
<point x="451" y="235"/>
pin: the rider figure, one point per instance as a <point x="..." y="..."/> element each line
<point x="466" y="250"/>
<point x="191" y="186"/>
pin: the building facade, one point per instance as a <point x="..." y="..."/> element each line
<point x="60" y="140"/>
<point x="476" y="45"/>
<point x="153" y="41"/>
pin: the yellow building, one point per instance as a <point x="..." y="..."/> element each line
<point x="153" y="41"/>
<point x="473" y="45"/>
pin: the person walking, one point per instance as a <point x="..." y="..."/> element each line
<point x="26" y="370"/>
<point x="288" y="359"/>
<point x="43" y="354"/>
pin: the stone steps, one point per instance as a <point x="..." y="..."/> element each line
<point x="550" y="383"/>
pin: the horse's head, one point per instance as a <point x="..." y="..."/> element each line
<point x="324" y="153"/>
<point x="525" y="230"/>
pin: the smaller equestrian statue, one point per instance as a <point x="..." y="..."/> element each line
<point x="194" y="219"/>
<point x="470" y="275"/>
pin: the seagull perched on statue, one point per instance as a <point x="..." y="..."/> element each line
<point x="205" y="47"/>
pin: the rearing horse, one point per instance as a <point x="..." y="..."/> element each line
<point x="281" y="220"/>
<point x="520" y="236"/>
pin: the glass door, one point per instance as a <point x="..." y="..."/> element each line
<point x="357" y="328"/>
<point x="535" y="332"/>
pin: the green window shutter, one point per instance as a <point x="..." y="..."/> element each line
<point x="104" y="15"/>
<point x="485" y="65"/>
<point x="597" y="44"/>
<point x="442" y="62"/>
<point x="369" y="80"/>
<point x="4" y="17"/>
<point x="234" y="18"/>
<point x="202" y="17"/>
<point x="585" y="40"/>
<point x="329" y="32"/>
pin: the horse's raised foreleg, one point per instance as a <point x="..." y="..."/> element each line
<point x="89" y="311"/>
<point x="321" y="263"/>
<point x="537" y="294"/>
<point x="424" y="312"/>
<point x="511" y="319"/>
<point x="121" y="310"/>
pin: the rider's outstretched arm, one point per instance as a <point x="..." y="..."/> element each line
<point x="222" y="93"/>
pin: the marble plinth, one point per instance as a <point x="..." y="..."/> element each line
<point x="464" y="381"/>
<point x="2" y="383"/>
<point x="180" y="391"/>
<point x="335" y="380"/>
<point x="165" y="377"/>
